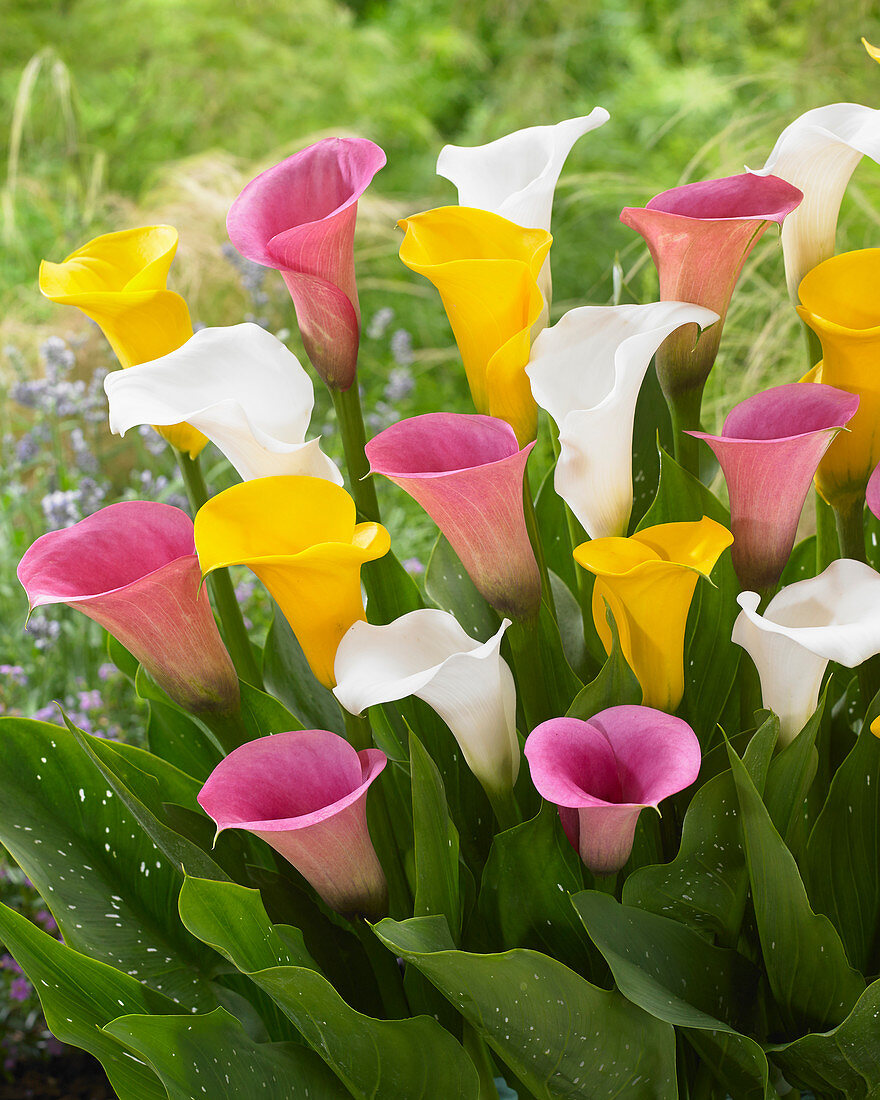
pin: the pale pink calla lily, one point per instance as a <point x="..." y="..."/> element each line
<point x="305" y="793"/>
<point x="699" y="236"/>
<point x="769" y="449"/>
<point x="299" y="218"/>
<point x="604" y="772"/>
<point x="467" y="472"/>
<point x="872" y="495"/>
<point x="132" y="567"/>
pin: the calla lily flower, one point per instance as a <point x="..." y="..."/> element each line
<point x="467" y="473"/>
<point x="872" y="493"/>
<point x="428" y="654"/>
<point x="485" y="268"/>
<point x="699" y="236"/>
<point x="586" y="371"/>
<point x="305" y="793"/>
<point x="299" y="218"/>
<point x="241" y="387"/>
<point x="840" y="304"/>
<point x="119" y="281"/>
<point x="872" y="51"/>
<point x="769" y="449"/>
<point x="648" y="582"/>
<point x="132" y="567"/>
<point x="818" y="154"/>
<point x="516" y="175"/>
<point x="604" y="772"/>
<point x="832" y="617"/>
<point x="301" y="537"/>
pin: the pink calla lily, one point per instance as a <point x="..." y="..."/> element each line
<point x="872" y="495"/>
<point x="299" y="218"/>
<point x="132" y="567"/>
<point x="769" y="449"/>
<point x="604" y="772"/>
<point x="305" y="793"/>
<point x="467" y="472"/>
<point x="699" y="236"/>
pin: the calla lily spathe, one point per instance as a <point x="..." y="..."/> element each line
<point x="769" y="449"/>
<point x="818" y="154"/>
<point x="305" y="793"/>
<point x="467" y="473"/>
<point x="428" y="654"/>
<point x="699" y="236"/>
<point x="301" y="537"/>
<point x="299" y="218"/>
<point x="840" y="303"/>
<point x="119" y="280"/>
<point x="648" y="582"/>
<point x="586" y="371"/>
<point x="132" y="567"/>
<point x="485" y="268"/>
<point x="241" y="387"/>
<point x="832" y="617"/>
<point x="602" y="773"/>
<point x="516" y="175"/>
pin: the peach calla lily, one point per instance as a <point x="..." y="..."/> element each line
<point x="118" y="280"/>
<point x="301" y="537"/>
<point x="485" y="269"/>
<point x="648" y="582"/>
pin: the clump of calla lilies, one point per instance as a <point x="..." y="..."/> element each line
<point x="591" y="810"/>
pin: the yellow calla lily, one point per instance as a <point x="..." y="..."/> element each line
<point x="648" y="581"/>
<point x="840" y="303"/>
<point x="119" y="281"/>
<point x="486" y="270"/>
<point x="301" y="537"/>
<point x="873" y="51"/>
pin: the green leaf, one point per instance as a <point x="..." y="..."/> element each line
<point x="571" y="628"/>
<point x="675" y="974"/>
<point x="288" y="677"/>
<point x="801" y="564"/>
<point x="710" y="659"/>
<point x="616" y="683"/>
<point x="213" y="1056"/>
<point x="555" y="537"/>
<point x="652" y="431"/>
<point x="126" y="662"/>
<point x="413" y="1058"/>
<point x="791" y="773"/>
<point x="449" y="586"/>
<point x="561" y="1035"/>
<point x="843" y="1063"/>
<point x="264" y="715"/>
<point x="178" y="738"/>
<point x="809" y="974"/>
<point x="391" y="591"/>
<point x="436" y="842"/>
<point x="107" y="884"/>
<point x="79" y="996"/>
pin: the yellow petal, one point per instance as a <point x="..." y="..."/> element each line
<point x="300" y="536"/>
<point x="485" y="269"/>
<point x="873" y="51"/>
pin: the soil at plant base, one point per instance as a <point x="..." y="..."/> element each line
<point x="73" y="1075"/>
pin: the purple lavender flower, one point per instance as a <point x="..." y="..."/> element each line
<point x="15" y="673"/>
<point x="379" y="322"/>
<point x="19" y="989"/>
<point x="402" y="347"/>
<point x="413" y="566"/>
<point x="400" y="384"/>
<point x="90" y="700"/>
<point x="106" y="671"/>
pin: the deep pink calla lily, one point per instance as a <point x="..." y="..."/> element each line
<point x="132" y="567"/>
<point x="305" y="793"/>
<point x="769" y="449"/>
<point x="604" y="772"/>
<point x="299" y="218"/>
<point x="467" y="472"/>
<point x="872" y="496"/>
<point x="699" y="236"/>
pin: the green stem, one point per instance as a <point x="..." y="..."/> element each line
<point x="684" y="409"/>
<point x="387" y="973"/>
<point x="535" y="539"/>
<point x="851" y="528"/>
<point x="220" y="583"/>
<point x="351" y="427"/>
<point x="528" y="657"/>
<point x="814" y="346"/>
<point x="505" y="807"/>
<point x="229" y="729"/>
<point x="478" y="1054"/>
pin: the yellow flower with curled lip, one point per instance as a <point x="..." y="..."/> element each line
<point x="648" y="582"/>
<point x="486" y="270"/>
<point x="840" y="303"/>
<point x="301" y="537"/>
<point x="119" y="281"/>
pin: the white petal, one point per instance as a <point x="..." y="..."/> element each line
<point x="516" y="175"/>
<point x="835" y="616"/>
<point x="428" y="654"/>
<point x="241" y="387"/>
<point x="818" y="153"/>
<point x="586" y="371"/>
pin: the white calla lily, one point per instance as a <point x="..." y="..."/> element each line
<point x="468" y="683"/>
<point x="832" y="617"/>
<point x="586" y="372"/>
<point x="818" y="153"/>
<point x="241" y="387"/>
